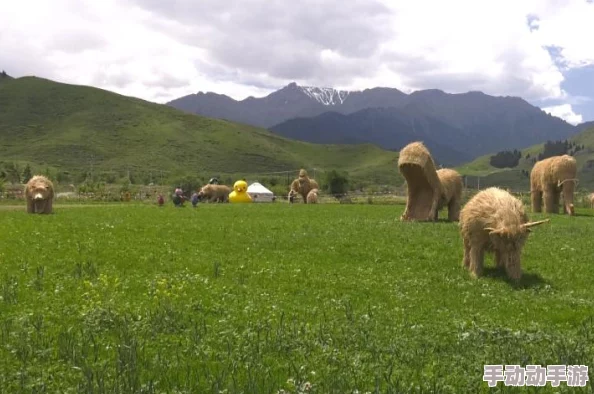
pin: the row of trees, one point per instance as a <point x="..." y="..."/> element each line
<point x="510" y="159"/>
<point x="557" y="148"/>
<point x="13" y="173"/>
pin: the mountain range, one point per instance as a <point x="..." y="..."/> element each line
<point x="457" y="127"/>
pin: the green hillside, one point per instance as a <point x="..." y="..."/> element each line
<point x="78" y="128"/>
<point x="518" y="176"/>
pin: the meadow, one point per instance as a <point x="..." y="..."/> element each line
<point x="269" y="298"/>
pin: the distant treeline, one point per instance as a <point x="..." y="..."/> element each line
<point x="557" y="148"/>
<point x="510" y="159"/>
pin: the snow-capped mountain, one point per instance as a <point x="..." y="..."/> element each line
<point x="326" y="96"/>
<point x="291" y="101"/>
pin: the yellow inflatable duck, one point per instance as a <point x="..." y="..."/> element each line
<point x="239" y="193"/>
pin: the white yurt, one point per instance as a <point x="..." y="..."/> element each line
<point x="259" y="193"/>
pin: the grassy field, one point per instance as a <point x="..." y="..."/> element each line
<point x="261" y="298"/>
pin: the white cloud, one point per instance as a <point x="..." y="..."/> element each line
<point x="162" y="50"/>
<point x="565" y="112"/>
<point x="565" y="24"/>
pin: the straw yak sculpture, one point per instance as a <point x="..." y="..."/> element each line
<point x="451" y="193"/>
<point x="214" y="193"/>
<point x="303" y="185"/>
<point x="494" y="221"/>
<point x="428" y="190"/>
<point x="39" y="194"/>
<point x="548" y="179"/>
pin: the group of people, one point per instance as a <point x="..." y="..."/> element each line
<point x="179" y="199"/>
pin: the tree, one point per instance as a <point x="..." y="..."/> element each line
<point x="505" y="159"/>
<point x="189" y="184"/>
<point x="48" y="173"/>
<point x="273" y="181"/>
<point x="12" y="173"/>
<point x="126" y="185"/>
<point x="110" y="177"/>
<point x="337" y="183"/>
<point x="27" y="174"/>
<point x="81" y="176"/>
<point x="63" y="177"/>
<point x="554" y="148"/>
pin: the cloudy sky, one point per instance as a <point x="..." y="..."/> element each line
<point x="160" y="50"/>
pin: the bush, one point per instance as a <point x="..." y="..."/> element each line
<point x="505" y="159"/>
<point x="27" y="174"/>
<point x="279" y="190"/>
<point x="337" y="183"/>
<point x="64" y="177"/>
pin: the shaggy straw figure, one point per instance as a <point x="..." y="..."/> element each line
<point x="214" y="193"/>
<point x="312" y="196"/>
<point x="548" y="179"/>
<point x="494" y="221"/>
<point x="39" y="193"/>
<point x="591" y="200"/>
<point x="303" y="185"/>
<point x="423" y="187"/>
<point x="451" y="193"/>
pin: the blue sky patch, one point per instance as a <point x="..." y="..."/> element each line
<point x="579" y="85"/>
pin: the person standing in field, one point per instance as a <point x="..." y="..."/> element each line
<point x="178" y="198"/>
<point x="194" y="199"/>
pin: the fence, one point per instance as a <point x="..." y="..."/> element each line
<point x="277" y="181"/>
<point x="148" y="195"/>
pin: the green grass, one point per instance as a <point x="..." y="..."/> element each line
<point x="71" y="127"/>
<point x="259" y="298"/>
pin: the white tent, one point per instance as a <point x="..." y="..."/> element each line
<point x="259" y="193"/>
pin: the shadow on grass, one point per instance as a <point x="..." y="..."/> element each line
<point x="445" y="220"/>
<point x="528" y="281"/>
<point x="560" y="214"/>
